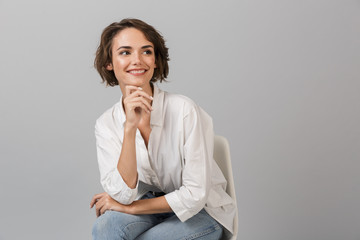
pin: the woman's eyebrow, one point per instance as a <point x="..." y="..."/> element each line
<point x="128" y="47"/>
<point x="147" y="46"/>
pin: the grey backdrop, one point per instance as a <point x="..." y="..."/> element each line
<point x="280" y="79"/>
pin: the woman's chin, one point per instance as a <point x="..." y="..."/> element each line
<point x="139" y="83"/>
<point x="135" y="81"/>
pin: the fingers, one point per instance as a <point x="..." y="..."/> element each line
<point x="103" y="208"/>
<point x="95" y="198"/>
<point x="99" y="205"/>
<point x="101" y="202"/>
<point x="136" y="91"/>
<point x="136" y="99"/>
<point x="136" y="102"/>
<point x="129" y="89"/>
<point x="104" y="202"/>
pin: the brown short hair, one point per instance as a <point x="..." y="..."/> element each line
<point x="104" y="54"/>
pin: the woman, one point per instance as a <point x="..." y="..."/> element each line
<point x="154" y="149"/>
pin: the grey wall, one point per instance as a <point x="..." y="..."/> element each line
<point x="280" y="78"/>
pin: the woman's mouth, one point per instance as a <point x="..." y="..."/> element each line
<point x="137" y="72"/>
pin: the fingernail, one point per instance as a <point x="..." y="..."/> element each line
<point x="139" y="88"/>
<point x="151" y="98"/>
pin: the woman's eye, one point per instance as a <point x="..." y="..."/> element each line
<point x="124" y="53"/>
<point x="148" y="52"/>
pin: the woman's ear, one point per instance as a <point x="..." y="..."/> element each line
<point x="109" y="67"/>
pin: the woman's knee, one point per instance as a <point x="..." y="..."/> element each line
<point x="105" y="227"/>
<point x="100" y="226"/>
<point x="117" y="225"/>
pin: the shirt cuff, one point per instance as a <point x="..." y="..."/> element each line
<point x="119" y="190"/>
<point x="178" y="207"/>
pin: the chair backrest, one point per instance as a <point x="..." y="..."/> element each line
<point x="223" y="159"/>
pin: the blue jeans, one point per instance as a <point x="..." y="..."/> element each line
<point x="117" y="225"/>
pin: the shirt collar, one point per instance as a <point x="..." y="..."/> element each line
<point x="157" y="105"/>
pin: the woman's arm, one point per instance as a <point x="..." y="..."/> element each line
<point x="117" y="159"/>
<point x="127" y="165"/>
<point x="150" y="206"/>
<point x="104" y="202"/>
<point x="136" y="103"/>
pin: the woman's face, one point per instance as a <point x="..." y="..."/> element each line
<point x="133" y="58"/>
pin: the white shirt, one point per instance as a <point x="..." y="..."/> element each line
<point x="178" y="161"/>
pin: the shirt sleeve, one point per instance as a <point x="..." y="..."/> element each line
<point x="191" y="197"/>
<point x="108" y="148"/>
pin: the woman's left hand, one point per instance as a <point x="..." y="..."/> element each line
<point x="104" y="202"/>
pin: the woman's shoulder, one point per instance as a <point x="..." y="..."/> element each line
<point x="183" y="105"/>
<point x="179" y="100"/>
<point x="107" y="119"/>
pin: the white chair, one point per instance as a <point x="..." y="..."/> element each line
<point x="223" y="159"/>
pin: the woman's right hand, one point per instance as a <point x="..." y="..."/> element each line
<point x="136" y="103"/>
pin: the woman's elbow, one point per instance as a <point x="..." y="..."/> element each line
<point x="124" y="196"/>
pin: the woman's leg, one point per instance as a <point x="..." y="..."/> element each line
<point x="113" y="225"/>
<point x="200" y="226"/>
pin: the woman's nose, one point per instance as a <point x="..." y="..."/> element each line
<point x="136" y="58"/>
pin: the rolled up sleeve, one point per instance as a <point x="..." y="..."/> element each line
<point x="108" y="149"/>
<point x="191" y="197"/>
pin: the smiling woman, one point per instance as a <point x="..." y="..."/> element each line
<point x="104" y="52"/>
<point x="133" y="61"/>
<point x="155" y="149"/>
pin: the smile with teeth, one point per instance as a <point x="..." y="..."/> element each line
<point x="137" y="71"/>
